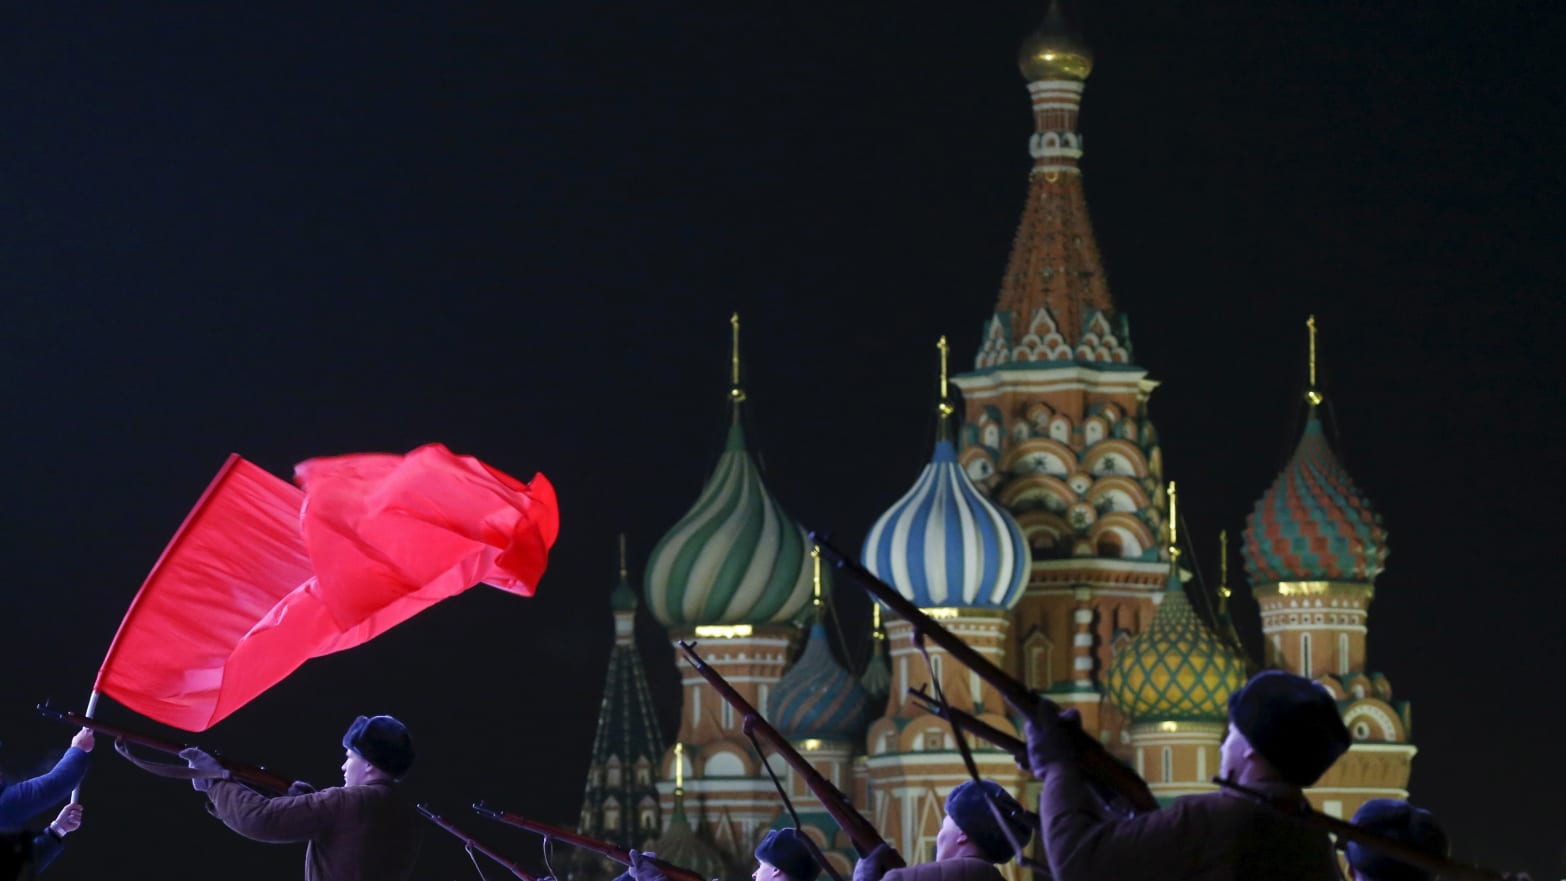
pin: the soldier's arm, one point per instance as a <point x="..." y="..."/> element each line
<point x="280" y="820"/>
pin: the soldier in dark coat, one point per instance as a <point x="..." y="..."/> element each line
<point x="782" y="855"/>
<point x="1284" y="733"/>
<point x="970" y="842"/>
<point x="1399" y="821"/>
<point x="360" y="831"/>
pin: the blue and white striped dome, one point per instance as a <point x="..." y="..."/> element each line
<point x="945" y="545"/>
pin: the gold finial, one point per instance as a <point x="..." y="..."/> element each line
<point x="815" y="587"/>
<point x="1223" y="566"/>
<point x="1174" y="524"/>
<point x="945" y="407"/>
<point x="1311" y="393"/>
<point x="736" y="393"/>
<point x="623" y="570"/>
<point x="875" y="620"/>
<point x="679" y="766"/>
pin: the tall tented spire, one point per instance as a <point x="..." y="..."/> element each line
<point x="735" y="557"/>
<point x="1054" y="303"/>
<point x="621" y="801"/>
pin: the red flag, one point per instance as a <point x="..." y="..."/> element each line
<point x="262" y="576"/>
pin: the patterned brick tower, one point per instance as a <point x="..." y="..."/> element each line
<point x="733" y="574"/>
<point x="621" y="804"/>
<point x="1173" y="681"/>
<point x="961" y="558"/>
<point x="1057" y="429"/>
<point x="1313" y="548"/>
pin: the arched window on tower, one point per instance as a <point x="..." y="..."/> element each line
<point x="1343" y="654"/>
<point x="611" y="815"/>
<point x="1305" y="655"/>
<point x="612" y="771"/>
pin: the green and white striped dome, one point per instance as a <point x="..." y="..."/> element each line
<point x="735" y="557"/>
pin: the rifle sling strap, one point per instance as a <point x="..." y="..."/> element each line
<point x="166" y="769"/>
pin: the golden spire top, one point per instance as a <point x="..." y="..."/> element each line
<point x="944" y="409"/>
<point x="623" y="570"/>
<point x="679" y="768"/>
<point x="736" y="391"/>
<point x="875" y="621"/>
<point x="1174" y="525"/>
<point x="1312" y="394"/>
<point x="815" y="584"/>
<point x="1223" y="569"/>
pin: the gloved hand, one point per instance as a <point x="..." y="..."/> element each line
<point x="200" y="760"/>
<point x="644" y="869"/>
<point x="874" y="864"/>
<point x="299" y="787"/>
<point x="1050" y="734"/>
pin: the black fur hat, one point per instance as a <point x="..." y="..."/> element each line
<point x="383" y="741"/>
<point x="786" y="849"/>
<point x="1401" y="821"/>
<point x="969" y="808"/>
<point x="1292" y="722"/>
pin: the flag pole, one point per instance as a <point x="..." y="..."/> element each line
<point x="92" y="707"/>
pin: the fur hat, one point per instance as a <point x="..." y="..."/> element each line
<point x="1401" y="821"/>
<point x="383" y="741"/>
<point x="969" y="808"/>
<point x="786" y="849"/>
<point x="1292" y="722"/>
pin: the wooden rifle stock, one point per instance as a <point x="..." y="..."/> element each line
<point x="253" y="776"/>
<point x="1107" y="772"/>
<point x="564" y="835"/>
<point x="860" y="833"/>
<point x="475" y="844"/>
<point x="1447" y="868"/>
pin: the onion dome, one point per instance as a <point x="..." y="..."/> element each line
<point x="944" y="543"/>
<point x="877" y="678"/>
<point x="735" y="557"/>
<point x="1313" y="523"/>
<point x="1177" y="670"/>
<point x="817" y="697"/>
<point x="684" y="846"/>
<point x="1054" y="51"/>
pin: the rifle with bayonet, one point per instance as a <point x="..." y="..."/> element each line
<point x="254" y="776"/>
<point x="861" y="834"/>
<point x="1446" y="867"/>
<point x="566" y="836"/>
<point x="474" y="844"/>
<point x="1119" y="786"/>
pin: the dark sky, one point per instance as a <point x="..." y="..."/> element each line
<point x="519" y="229"/>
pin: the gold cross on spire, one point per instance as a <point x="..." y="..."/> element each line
<point x="815" y="586"/>
<point x="1174" y="524"/>
<point x="736" y="392"/>
<point x="679" y="766"/>
<point x="1312" y="394"/>
<point x="1223" y="567"/>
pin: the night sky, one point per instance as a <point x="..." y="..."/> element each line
<point x="520" y="229"/>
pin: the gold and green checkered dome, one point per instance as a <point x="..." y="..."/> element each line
<point x="1177" y="670"/>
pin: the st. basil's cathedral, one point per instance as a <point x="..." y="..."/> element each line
<point x="1042" y="531"/>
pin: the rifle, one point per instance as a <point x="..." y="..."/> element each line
<point x="602" y="848"/>
<point x="1121" y="788"/>
<point x="474" y="844"/>
<point x="1446" y="867"/>
<point x="254" y="776"/>
<point x="860" y="833"/>
<point x="972" y="724"/>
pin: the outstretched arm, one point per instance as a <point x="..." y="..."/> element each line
<point x="19" y="802"/>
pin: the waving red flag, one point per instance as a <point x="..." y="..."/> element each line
<point x="263" y="576"/>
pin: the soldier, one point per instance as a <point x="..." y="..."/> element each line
<point x="970" y="842"/>
<point x="1284" y="733"/>
<point x="360" y="831"/>
<point x="1400" y="821"/>
<point x="782" y="855"/>
<point x="22" y="800"/>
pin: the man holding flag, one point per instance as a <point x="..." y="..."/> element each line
<point x="360" y="831"/>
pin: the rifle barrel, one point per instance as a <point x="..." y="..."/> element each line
<point x="602" y="848"/>
<point x="1092" y="757"/>
<point x="474" y="843"/>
